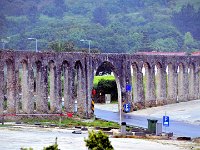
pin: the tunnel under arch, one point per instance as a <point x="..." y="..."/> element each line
<point x="104" y="69"/>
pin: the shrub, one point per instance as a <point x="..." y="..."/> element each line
<point x="98" y="141"/>
<point x="52" y="147"/>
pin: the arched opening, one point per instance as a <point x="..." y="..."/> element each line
<point x="145" y="72"/>
<point x="5" y="87"/>
<point x="34" y="86"/>
<point x="106" y="83"/>
<point x="134" y="71"/>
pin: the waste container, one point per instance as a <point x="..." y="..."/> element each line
<point x="152" y="125"/>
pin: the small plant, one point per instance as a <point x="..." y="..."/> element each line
<point x="98" y="141"/>
<point x="52" y="147"/>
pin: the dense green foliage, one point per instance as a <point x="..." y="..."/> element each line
<point x="112" y="26"/>
<point x="99" y="78"/>
<point x="105" y="85"/>
<point x="98" y="141"/>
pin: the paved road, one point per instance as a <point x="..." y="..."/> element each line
<point x="177" y="127"/>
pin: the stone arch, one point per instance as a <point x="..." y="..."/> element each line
<point x="116" y="75"/>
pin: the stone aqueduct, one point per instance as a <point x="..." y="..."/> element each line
<point x="169" y="79"/>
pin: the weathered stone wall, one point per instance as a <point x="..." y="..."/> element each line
<point x="179" y="83"/>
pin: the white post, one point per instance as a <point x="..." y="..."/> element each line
<point x="120" y="109"/>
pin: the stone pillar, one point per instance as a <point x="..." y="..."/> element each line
<point x="42" y="88"/>
<point x="128" y="80"/>
<point x="81" y="97"/>
<point x="66" y="86"/>
<point x="139" y="99"/>
<point x="182" y="85"/>
<point x="134" y="83"/>
<point x="30" y="100"/>
<point x="198" y="79"/>
<point x="79" y="89"/>
<point x="196" y="83"/>
<point x="150" y="99"/>
<point x="24" y="85"/>
<point x="58" y="90"/>
<point x="52" y="79"/>
<point x="27" y="88"/>
<point x="171" y="85"/>
<point x="17" y="90"/>
<point x="11" y="102"/>
<point x="192" y="81"/>
<point x="161" y="86"/>
<point x="89" y="77"/>
<point x="1" y="86"/>
<point x="70" y="103"/>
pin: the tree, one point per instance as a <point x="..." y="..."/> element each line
<point x="32" y="14"/>
<point x="146" y="45"/>
<point x="98" y="141"/>
<point x="60" y="8"/>
<point x="187" y="20"/>
<point x="62" y="47"/>
<point x="100" y="15"/>
<point x="166" y="45"/>
<point x="189" y="42"/>
<point x="2" y="25"/>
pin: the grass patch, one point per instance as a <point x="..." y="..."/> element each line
<point x="71" y="122"/>
<point x="101" y="123"/>
<point x="5" y="125"/>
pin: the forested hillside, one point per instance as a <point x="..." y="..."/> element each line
<point x="112" y="25"/>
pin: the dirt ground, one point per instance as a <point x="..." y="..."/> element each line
<point x="15" y="138"/>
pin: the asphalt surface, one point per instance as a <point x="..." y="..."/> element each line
<point x="177" y="127"/>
